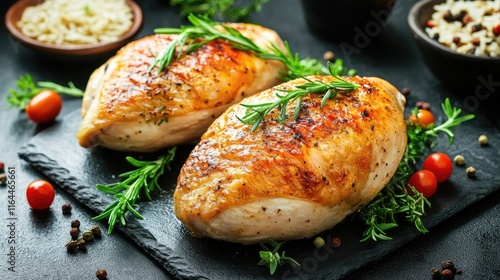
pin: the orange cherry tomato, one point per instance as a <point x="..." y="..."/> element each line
<point x="424" y="118"/>
<point x="424" y="182"/>
<point x="40" y="194"/>
<point x="44" y="107"/>
<point x="440" y="164"/>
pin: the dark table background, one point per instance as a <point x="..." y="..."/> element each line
<point x="469" y="238"/>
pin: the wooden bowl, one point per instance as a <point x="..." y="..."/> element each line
<point x="74" y="52"/>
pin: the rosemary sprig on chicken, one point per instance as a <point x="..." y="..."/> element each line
<point x="204" y="30"/>
<point x="256" y="112"/>
<point x="380" y="214"/>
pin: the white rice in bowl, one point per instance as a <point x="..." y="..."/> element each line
<point x="468" y="27"/>
<point x="69" y="22"/>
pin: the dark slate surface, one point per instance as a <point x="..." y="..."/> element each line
<point x="463" y="220"/>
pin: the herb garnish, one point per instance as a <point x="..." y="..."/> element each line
<point x="272" y="258"/>
<point x="380" y="214"/>
<point x="218" y="8"/>
<point x="255" y="113"/>
<point x="143" y="180"/>
<point x="27" y="89"/>
<point x="204" y="31"/>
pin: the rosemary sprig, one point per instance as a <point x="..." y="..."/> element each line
<point x="203" y="31"/>
<point x="255" y="113"/>
<point x="143" y="180"/>
<point x="218" y="8"/>
<point x="380" y="214"/>
<point x="27" y="89"/>
<point x="272" y="258"/>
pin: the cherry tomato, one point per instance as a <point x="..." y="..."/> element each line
<point x="424" y="182"/>
<point x="440" y="164"/>
<point x="424" y="117"/>
<point x="44" y="107"/>
<point x="40" y="194"/>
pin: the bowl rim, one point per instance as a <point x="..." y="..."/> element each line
<point x="420" y="32"/>
<point x="69" y="49"/>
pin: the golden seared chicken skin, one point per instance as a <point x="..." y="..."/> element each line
<point x="296" y="179"/>
<point x="129" y="107"/>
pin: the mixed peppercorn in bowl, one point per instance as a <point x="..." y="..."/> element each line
<point x="460" y="43"/>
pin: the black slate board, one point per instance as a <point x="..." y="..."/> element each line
<point x="56" y="153"/>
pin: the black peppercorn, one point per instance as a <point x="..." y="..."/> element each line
<point x="448" y="16"/>
<point x="74" y="233"/>
<point x="477" y="27"/>
<point x="66" y="208"/>
<point x="448" y="264"/>
<point x="101" y="274"/>
<point x="75" y="223"/>
<point x="71" y="246"/>
<point x="435" y="273"/>
<point x="82" y="245"/>
<point x="96" y="231"/>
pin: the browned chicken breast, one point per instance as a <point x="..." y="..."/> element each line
<point x="129" y="107"/>
<point x="296" y="179"/>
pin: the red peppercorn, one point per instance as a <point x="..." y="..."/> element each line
<point x="2" y="166"/>
<point x="336" y="242"/>
<point x="74" y="233"/>
<point x="456" y="40"/>
<point x="66" y="208"/>
<point x="406" y="91"/>
<point x="75" y="223"/>
<point x="430" y="23"/>
<point x="496" y="30"/>
<point x="101" y="274"/>
<point x="447" y="274"/>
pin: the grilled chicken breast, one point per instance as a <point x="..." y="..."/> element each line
<point x="296" y="179"/>
<point x="129" y="107"/>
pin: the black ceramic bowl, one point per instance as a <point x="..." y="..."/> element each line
<point x="464" y="73"/>
<point x="342" y="20"/>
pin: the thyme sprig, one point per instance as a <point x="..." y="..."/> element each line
<point x="143" y="180"/>
<point x="272" y="258"/>
<point x="27" y="88"/>
<point x="204" y="30"/>
<point x="381" y="213"/>
<point x="256" y="113"/>
<point x="218" y="8"/>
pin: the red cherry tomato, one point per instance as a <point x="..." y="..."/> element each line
<point x="424" y="182"/>
<point x="44" y="107"/>
<point x="424" y="118"/>
<point x="40" y="194"/>
<point x="440" y="164"/>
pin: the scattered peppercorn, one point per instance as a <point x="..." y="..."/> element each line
<point x="466" y="19"/>
<point x="96" y="231"/>
<point x="336" y="242"/>
<point x="470" y="171"/>
<point x="319" y="242"/>
<point x="423" y="105"/>
<point x="87" y="236"/>
<point x="430" y="23"/>
<point x="456" y="40"/>
<point x="435" y="273"/>
<point x="406" y="91"/>
<point x="448" y="264"/>
<point x="448" y="16"/>
<point x="483" y="140"/>
<point x="66" y="208"/>
<point x="74" y="232"/>
<point x="82" y="245"/>
<point x="71" y="246"/>
<point x="436" y="36"/>
<point x="101" y="274"/>
<point x="447" y="274"/>
<point x="329" y="56"/>
<point x="75" y="223"/>
<point x="3" y="178"/>
<point x="2" y="167"/>
<point x="459" y="160"/>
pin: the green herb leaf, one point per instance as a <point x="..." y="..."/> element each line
<point x="272" y="258"/>
<point x="140" y="181"/>
<point x="27" y="89"/>
<point x="218" y="8"/>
